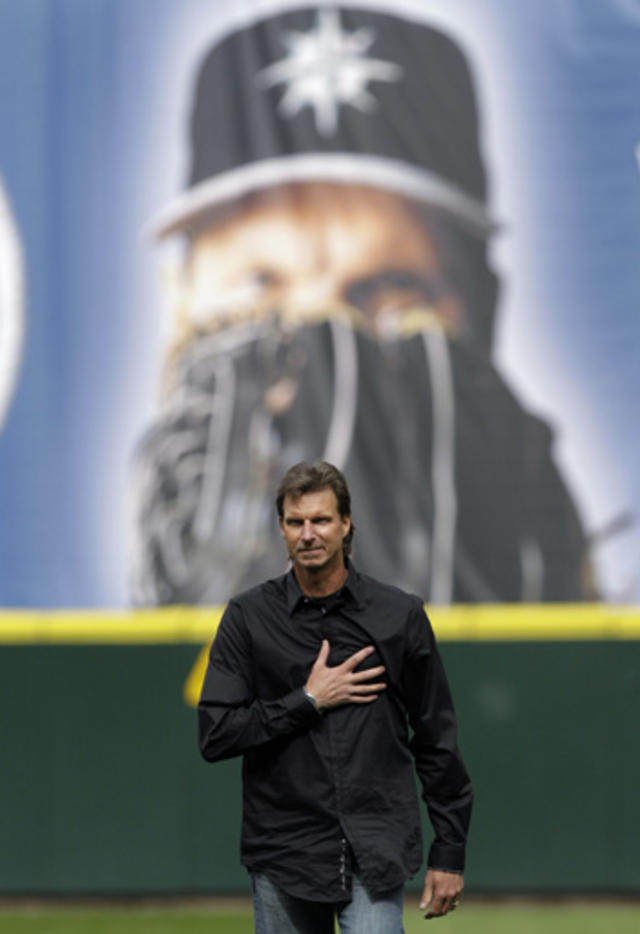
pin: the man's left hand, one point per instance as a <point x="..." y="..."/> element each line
<point x="441" y="892"/>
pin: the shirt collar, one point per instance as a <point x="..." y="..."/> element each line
<point x="351" y="589"/>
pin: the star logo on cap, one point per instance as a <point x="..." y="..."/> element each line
<point x="326" y="68"/>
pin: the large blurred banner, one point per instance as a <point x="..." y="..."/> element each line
<point x="403" y="237"/>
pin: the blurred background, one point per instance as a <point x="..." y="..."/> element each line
<point x="402" y="237"/>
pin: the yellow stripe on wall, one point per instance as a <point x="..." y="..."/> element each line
<point x="468" y="623"/>
<point x="162" y="625"/>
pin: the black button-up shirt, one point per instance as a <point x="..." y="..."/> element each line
<point x="320" y="789"/>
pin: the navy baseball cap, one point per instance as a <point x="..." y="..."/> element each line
<point x="334" y="94"/>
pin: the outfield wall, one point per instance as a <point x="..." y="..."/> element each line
<point x="103" y="790"/>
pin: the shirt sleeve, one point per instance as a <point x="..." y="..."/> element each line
<point x="446" y="787"/>
<point x="231" y="719"/>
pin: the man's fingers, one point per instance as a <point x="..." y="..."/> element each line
<point x="435" y="907"/>
<point x="323" y="654"/>
<point x="427" y="895"/>
<point x="339" y="684"/>
<point x="441" y="893"/>
<point x="367" y="673"/>
<point x="354" y="660"/>
<point x="368" y="688"/>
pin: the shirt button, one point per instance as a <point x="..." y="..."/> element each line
<point x="324" y="610"/>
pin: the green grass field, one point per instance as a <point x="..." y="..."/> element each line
<point x="471" y="918"/>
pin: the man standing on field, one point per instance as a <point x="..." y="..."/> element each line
<point x="330" y="685"/>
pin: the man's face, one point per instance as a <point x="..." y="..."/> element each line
<point x="303" y="250"/>
<point x="313" y="530"/>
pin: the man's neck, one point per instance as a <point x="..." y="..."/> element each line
<point x="323" y="583"/>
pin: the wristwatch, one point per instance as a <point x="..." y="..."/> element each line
<point x="311" y="698"/>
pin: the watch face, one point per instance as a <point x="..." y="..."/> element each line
<point x="11" y="303"/>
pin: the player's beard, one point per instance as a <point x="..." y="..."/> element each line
<point x="447" y="473"/>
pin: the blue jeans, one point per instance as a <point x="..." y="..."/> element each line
<point x="275" y="912"/>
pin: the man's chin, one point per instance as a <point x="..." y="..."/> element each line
<point x="311" y="560"/>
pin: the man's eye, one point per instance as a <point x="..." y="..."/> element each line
<point x="395" y="288"/>
<point x="254" y="284"/>
<point x="264" y="278"/>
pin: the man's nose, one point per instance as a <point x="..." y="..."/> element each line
<point x="313" y="293"/>
<point x="308" y="530"/>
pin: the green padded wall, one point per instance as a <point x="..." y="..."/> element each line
<point x="103" y="790"/>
